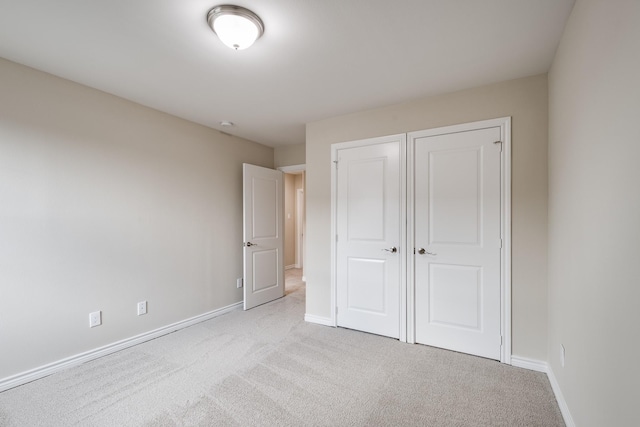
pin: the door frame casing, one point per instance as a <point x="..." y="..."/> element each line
<point x="335" y="148"/>
<point x="407" y="283"/>
<point x="504" y="123"/>
<point x="299" y="227"/>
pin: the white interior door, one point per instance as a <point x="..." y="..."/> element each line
<point x="457" y="238"/>
<point x="368" y="258"/>
<point x="263" y="226"/>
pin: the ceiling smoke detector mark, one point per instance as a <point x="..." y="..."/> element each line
<point x="226" y="124"/>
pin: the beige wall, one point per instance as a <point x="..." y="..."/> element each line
<point x="526" y="101"/>
<point x="289" y="155"/>
<point x="105" y="203"/>
<point x="594" y="213"/>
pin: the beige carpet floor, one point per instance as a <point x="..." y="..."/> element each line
<point x="267" y="367"/>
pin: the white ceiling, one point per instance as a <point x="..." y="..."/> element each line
<point x="316" y="59"/>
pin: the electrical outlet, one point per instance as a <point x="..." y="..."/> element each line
<point x="95" y="319"/>
<point x="562" y="354"/>
<point x="142" y="308"/>
<point x="239" y="283"/>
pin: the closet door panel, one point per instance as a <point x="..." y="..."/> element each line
<point x="457" y="238"/>
<point x="368" y="219"/>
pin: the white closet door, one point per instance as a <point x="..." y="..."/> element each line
<point x="368" y="236"/>
<point x="457" y="240"/>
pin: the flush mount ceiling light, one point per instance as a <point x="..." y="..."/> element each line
<point x="236" y="26"/>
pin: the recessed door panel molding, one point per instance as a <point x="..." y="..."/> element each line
<point x="365" y="200"/>
<point x="366" y="289"/>
<point x="263" y="246"/>
<point x="455" y="196"/>
<point x="368" y="186"/>
<point x="454" y="295"/>
<point x="265" y="196"/>
<point x="266" y="262"/>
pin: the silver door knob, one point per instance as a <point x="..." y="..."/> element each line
<point x="423" y="251"/>
<point x="250" y="244"/>
<point x="393" y="250"/>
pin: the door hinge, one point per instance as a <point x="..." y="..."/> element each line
<point x="499" y="143"/>
<point x="500" y="243"/>
<point x="335" y="162"/>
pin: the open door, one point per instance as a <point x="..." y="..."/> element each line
<point x="263" y="226"/>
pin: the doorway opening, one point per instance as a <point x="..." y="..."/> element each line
<point x="293" y="281"/>
<point x="294" y="226"/>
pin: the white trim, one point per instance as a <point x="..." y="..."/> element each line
<point x="334" y="233"/>
<point x="299" y="226"/>
<point x="531" y="364"/>
<point x="505" y="196"/>
<point x="78" y="359"/>
<point x="540" y="366"/>
<point x="293" y="168"/>
<point x="564" y="408"/>
<point x="319" y="320"/>
<point x="411" y="289"/>
<point x="404" y="254"/>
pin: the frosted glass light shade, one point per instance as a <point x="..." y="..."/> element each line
<point x="236" y="26"/>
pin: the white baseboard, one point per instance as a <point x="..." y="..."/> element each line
<point x="531" y="364"/>
<point x="320" y="320"/>
<point x="564" y="409"/>
<point x="78" y="359"/>
<point x="540" y="366"/>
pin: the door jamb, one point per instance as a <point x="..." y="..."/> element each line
<point x="293" y="168"/>
<point x="300" y="216"/>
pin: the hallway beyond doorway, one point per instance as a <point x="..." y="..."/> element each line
<point x="292" y="280"/>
